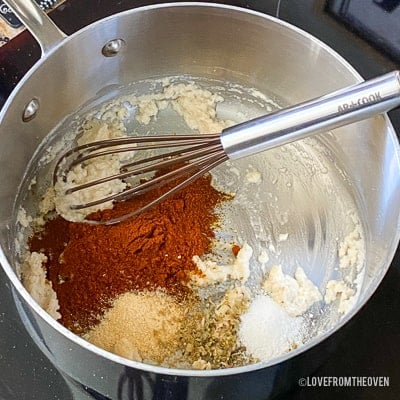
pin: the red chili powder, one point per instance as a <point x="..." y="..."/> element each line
<point x="89" y="265"/>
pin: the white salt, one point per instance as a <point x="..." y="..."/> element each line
<point x="267" y="331"/>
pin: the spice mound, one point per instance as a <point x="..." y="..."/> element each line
<point x="90" y="265"/>
<point x="142" y="326"/>
<point x="156" y="328"/>
<point x="129" y="288"/>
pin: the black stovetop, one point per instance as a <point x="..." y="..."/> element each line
<point x="363" y="32"/>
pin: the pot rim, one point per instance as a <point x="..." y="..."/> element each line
<point x="22" y="292"/>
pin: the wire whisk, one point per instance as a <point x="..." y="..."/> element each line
<point x="184" y="158"/>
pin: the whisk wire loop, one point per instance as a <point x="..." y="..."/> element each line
<point x="206" y="166"/>
<point x="143" y="166"/>
<point x="155" y="182"/>
<point x="178" y="157"/>
<point x="87" y="151"/>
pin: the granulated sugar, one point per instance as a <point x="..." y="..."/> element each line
<point x="267" y="330"/>
<point x="140" y="326"/>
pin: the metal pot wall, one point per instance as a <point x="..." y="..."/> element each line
<point x="198" y="39"/>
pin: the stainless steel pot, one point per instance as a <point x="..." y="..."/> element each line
<point x="199" y="39"/>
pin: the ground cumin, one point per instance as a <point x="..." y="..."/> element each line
<point x="89" y="265"/>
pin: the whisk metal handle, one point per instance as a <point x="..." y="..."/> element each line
<point x="340" y="108"/>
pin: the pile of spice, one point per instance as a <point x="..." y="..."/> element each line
<point x="90" y="265"/>
<point x="126" y="287"/>
<point x="155" y="328"/>
<point x="209" y="338"/>
<point x="141" y="326"/>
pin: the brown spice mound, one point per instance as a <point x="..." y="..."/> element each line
<point x="209" y="336"/>
<point x="90" y="265"/>
<point x="140" y="326"/>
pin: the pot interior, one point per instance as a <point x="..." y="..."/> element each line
<point x="313" y="193"/>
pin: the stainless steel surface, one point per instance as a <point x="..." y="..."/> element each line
<point x="315" y="116"/>
<point x="113" y="47"/>
<point x="30" y="110"/>
<point x="42" y="28"/>
<point x="280" y="60"/>
<point x="204" y="152"/>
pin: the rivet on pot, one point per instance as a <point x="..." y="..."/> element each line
<point x="30" y="110"/>
<point x="112" y="47"/>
